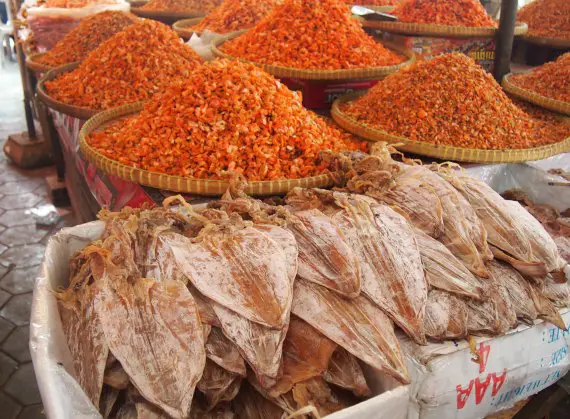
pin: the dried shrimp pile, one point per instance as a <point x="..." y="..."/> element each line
<point x="450" y="100"/>
<point x="181" y="6"/>
<point x="444" y="12"/>
<point x="86" y="36"/>
<point x="235" y="15"/>
<point x="547" y="18"/>
<point x="130" y="66"/>
<point x="250" y="307"/>
<point x="72" y="4"/>
<point x="228" y="117"/>
<point x="311" y="34"/>
<point x="374" y="2"/>
<point x="551" y="80"/>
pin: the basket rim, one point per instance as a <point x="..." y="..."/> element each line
<point x="162" y="14"/>
<point x="369" y="73"/>
<point x="534" y="98"/>
<point x="206" y="187"/>
<point x="443" y="152"/>
<point x="541" y="40"/>
<point x="38" y="67"/>
<point x="182" y="27"/>
<point x="429" y="29"/>
<point x="65" y="108"/>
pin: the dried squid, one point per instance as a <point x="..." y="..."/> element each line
<point x="217" y="384"/>
<point x="240" y="268"/>
<point x="345" y="371"/>
<point x="444" y="271"/>
<point x="249" y="404"/>
<point x="356" y="324"/>
<point x="306" y="354"/>
<point x="516" y="236"/>
<point x="446" y="316"/>
<point x="390" y="263"/>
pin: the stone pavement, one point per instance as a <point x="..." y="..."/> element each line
<point x="22" y="244"/>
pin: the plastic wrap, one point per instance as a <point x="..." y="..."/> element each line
<point x="50" y="24"/>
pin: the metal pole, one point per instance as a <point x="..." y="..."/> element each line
<point x="505" y="37"/>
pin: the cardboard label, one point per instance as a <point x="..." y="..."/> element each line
<point x="457" y="384"/>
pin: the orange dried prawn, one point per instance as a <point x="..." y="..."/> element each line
<point x="86" y="36"/>
<point x="229" y="117"/>
<point x="311" y="34"/>
<point x="444" y="12"/>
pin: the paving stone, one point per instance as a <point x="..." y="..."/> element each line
<point x="16" y="345"/>
<point x="35" y="411"/>
<point x="5" y="328"/>
<point x="25" y="200"/>
<point x="22" y="385"/>
<point x="23" y="256"/>
<point x="8" y="407"/>
<point x="19" y="187"/>
<point x="19" y="281"/>
<point x="4" y="297"/>
<point x="17" y="310"/>
<point x="27" y="234"/>
<point x="16" y="217"/>
<point x="7" y="368"/>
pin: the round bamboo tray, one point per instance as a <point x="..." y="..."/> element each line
<point x="181" y="184"/>
<point x="381" y="9"/>
<point x="551" y="42"/>
<point x="56" y="105"/>
<point x="424" y="29"/>
<point x="36" y="66"/>
<point x="442" y="152"/>
<point x="529" y="96"/>
<point x="349" y="74"/>
<point x="163" y="16"/>
<point x="184" y="27"/>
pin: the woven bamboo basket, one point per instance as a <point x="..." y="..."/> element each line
<point x="529" y="96"/>
<point x="34" y="65"/>
<point x="424" y="29"/>
<point x="441" y="151"/>
<point x="371" y="73"/>
<point x="177" y="183"/>
<point x="71" y="110"/>
<point x="164" y="16"/>
<point x="551" y="42"/>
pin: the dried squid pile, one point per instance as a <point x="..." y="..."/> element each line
<point x="260" y="309"/>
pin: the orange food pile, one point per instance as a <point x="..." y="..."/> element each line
<point x="130" y="66"/>
<point x="228" y="117"/>
<point x="551" y="80"/>
<point x="311" y="34"/>
<point x="444" y="12"/>
<point x="547" y="18"/>
<point x="450" y="100"/>
<point x="234" y="15"/>
<point x="86" y="36"/>
<point x="374" y="2"/>
<point x="182" y="6"/>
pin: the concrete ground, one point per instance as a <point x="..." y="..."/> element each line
<point x="22" y="245"/>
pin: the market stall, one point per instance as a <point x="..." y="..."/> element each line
<point x="256" y="259"/>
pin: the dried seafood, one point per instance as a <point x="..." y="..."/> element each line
<point x="345" y="371"/>
<point x="391" y="271"/>
<point x="446" y="316"/>
<point x="516" y="236"/>
<point x="356" y="324"/>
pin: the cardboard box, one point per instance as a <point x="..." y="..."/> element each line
<point x="448" y="383"/>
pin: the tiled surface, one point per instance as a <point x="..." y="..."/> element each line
<point x="22" y="245"/>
